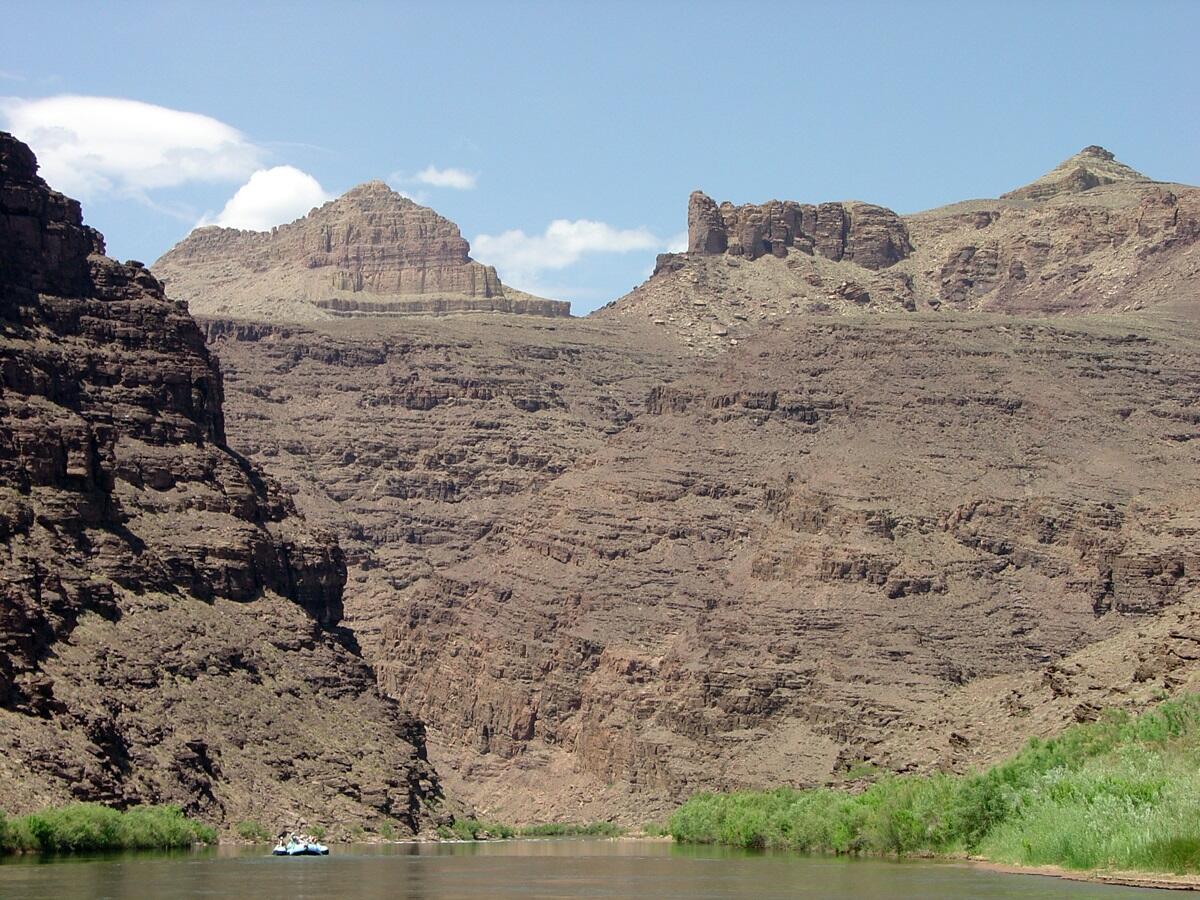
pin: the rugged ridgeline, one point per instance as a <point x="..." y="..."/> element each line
<point x="371" y="252"/>
<point x="1091" y="236"/>
<point x="609" y="573"/>
<point x="168" y="624"/>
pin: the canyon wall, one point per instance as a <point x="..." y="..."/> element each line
<point x="169" y="625"/>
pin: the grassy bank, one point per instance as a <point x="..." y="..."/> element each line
<point x="90" y="827"/>
<point x="1121" y="793"/>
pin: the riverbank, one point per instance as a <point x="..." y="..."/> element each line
<point x="1118" y="795"/>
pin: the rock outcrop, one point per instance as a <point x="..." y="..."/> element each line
<point x="371" y="252"/>
<point x="169" y="626"/>
<point x="870" y="236"/>
<point x="1091" y="236"/>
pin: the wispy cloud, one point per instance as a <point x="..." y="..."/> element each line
<point x="432" y="176"/>
<point x="10" y="76"/>
<point x="521" y="259"/>
<point x="458" y="179"/>
<point x="270" y="197"/>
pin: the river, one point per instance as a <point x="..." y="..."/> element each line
<point x="519" y="869"/>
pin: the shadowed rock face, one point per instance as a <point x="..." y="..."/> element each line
<point x="155" y="593"/>
<point x="371" y="252"/>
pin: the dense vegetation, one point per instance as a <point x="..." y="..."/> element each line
<point x="572" y="829"/>
<point x="1120" y="793"/>
<point x="475" y="830"/>
<point x="90" y="826"/>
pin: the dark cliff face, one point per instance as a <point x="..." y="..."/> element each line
<point x="117" y="485"/>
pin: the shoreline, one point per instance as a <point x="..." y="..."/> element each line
<point x="1156" y="880"/>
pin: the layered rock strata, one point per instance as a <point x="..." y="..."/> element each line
<point x="1090" y="167"/>
<point x="371" y="252"/>
<point x="169" y="626"/>
<point x="607" y="582"/>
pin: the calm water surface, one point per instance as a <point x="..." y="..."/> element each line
<point x="551" y="868"/>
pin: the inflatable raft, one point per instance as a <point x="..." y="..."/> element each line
<point x="299" y="848"/>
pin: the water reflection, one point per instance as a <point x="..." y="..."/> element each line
<point x="519" y="869"/>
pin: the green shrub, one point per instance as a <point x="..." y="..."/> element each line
<point x="91" y="826"/>
<point x="250" y="830"/>
<point x="387" y="831"/>
<point x="318" y="832"/>
<point x="475" y="830"/>
<point x="1121" y="792"/>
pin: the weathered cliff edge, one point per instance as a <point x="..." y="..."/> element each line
<point x="169" y="626"/>
<point x="370" y="252"/>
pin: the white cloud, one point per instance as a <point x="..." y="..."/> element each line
<point x="522" y="257"/>
<point x="458" y="179"/>
<point x="92" y="145"/>
<point x="271" y="197"/>
<point x="677" y="243"/>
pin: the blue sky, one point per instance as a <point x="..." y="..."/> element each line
<point x="599" y="116"/>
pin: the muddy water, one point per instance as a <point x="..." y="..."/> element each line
<point x="520" y="869"/>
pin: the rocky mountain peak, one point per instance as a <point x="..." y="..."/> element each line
<point x="370" y="252"/>
<point x="1090" y="167"/>
<point x="375" y="196"/>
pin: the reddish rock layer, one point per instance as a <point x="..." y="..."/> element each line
<point x="871" y="236"/>
<point x="609" y="573"/>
